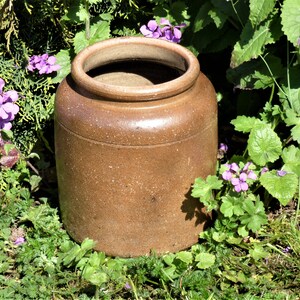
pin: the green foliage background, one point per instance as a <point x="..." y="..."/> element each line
<point x="250" y="50"/>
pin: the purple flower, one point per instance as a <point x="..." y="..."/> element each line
<point x="151" y="30"/>
<point x="286" y="250"/>
<point x="238" y="177"/>
<point x="166" y="31"/>
<point x="44" y="63"/>
<point x="8" y="108"/>
<point x="223" y="148"/>
<point x="17" y="236"/>
<point x="264" y="170"/>
<point x="170" y="32"/>
<point x="19" y="241"/>
<point x="127" y="286"/>
<point x="232" y="170"/>
<point x="240" y="183"/>
<point x="281" y="173"/>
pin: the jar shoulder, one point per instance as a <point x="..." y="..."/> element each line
<point x="177" y="117"/>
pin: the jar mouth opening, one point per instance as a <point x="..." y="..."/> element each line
<point x="135" y="69"/>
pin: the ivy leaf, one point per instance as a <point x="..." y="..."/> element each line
<point x="290" y="20"/>
<point x="203" y="189"/>
<point x="63" y="59"/>
<point x="255" y="215"/>
<point x="252" y="43"/>
<point x="264" y="145"/>
<point x="232" y="206"/>
<point x="282" y="188"/>
<point x="205" y="260"/>
<point x="260" y="10"/>
<point x="99" y="31"/>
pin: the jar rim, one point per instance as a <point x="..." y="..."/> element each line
<point x="91" y="57"/>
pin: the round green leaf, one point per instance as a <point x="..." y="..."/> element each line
<point x="281" y="187"/>
<point x="205" y="260"/>
<point x="264" y="144"/>
<point x="290" y="20"/>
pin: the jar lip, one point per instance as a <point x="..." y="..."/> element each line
<point x="86" y="61"/>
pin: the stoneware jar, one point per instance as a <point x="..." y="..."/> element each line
<point x="135" y="124"/>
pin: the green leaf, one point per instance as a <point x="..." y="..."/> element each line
<point x="63" y="59"/>
<point x="92" y="275"/>
<point x="34" y="181"/>
<point x="205" y="260"/>
<point x="290" y="20"/>
<point x="258" y="252"/>
<point x="203" y="189"/>
<point x="185" y="256"/>
<point x="219" y="236"/>
<point x="218" y="17"/>
<point x="213" y="39"/>
<point x="252" y="43"/>
<point x="291" y="159"/>
<point x="242" y="231"/>
<point x="168" y="258"/>
<point x="281" y="187"/>
<point x="245" y="124"/>
<point x="98" y="32"/>
<point x="71" y="255"/>
<point x="202" y="18"/>
<point x="290" y="90"/>
<point x="254" y="74"/>
<point x="6" y="135"/>
<point x="232" y="206"/>
<point x="264" y="145"/>
<point x="72" y="14"/>
<point x="87" y="244"/>
<point x="260" y="10"/>
<point x="96" y="259"/>
<point x="82" y="13"/>
<point x="255" y="216"/>
<point x="295" y="132"/>
<point x="292" y="117"/>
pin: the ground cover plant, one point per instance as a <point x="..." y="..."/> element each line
<point x="250" y="50"/>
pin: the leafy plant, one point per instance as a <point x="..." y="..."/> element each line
<point x="252" y="250"/>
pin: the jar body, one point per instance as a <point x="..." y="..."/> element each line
<point x="125" y="168"/>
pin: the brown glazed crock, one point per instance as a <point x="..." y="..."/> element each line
<point x="135" y="124"/>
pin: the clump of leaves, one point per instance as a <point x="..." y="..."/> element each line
<point x="36" y="102"/>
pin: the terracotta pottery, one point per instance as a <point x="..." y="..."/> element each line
<point x="135" y="124"/>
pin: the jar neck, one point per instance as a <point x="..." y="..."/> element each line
<point x="135" y="69"/>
